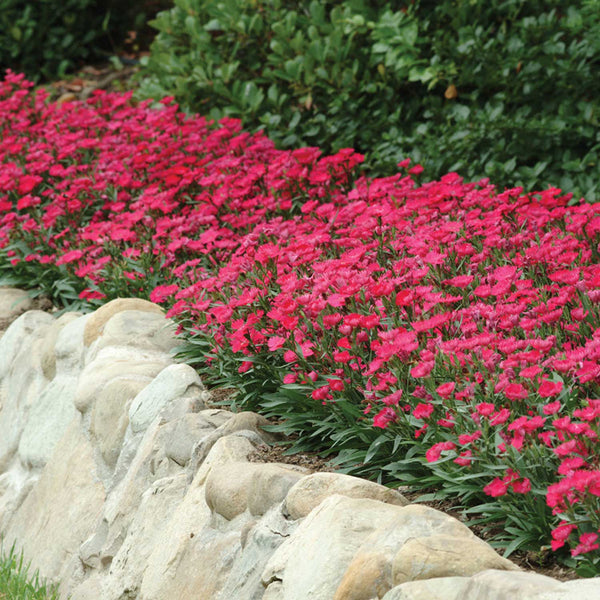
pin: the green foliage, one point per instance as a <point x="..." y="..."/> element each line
<point x="506" y="90"/>
<point x="16" y="583"/>
<point x="47" y="38"/>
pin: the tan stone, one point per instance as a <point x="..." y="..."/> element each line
<point x="311" y="563"/>
<point x="114" y="366"/>
<point x="370" y="573"/>
<point x="310" y="491"/>
<point x="95" y="324"/>
<point x="229" y="487"/>
<point x="110" y="416"/>
<point x="13" y="302"/>
<point x="445" y="556"/>
<point x="269" y="486"/>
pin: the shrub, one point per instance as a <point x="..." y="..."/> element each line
<point x="505" y="90"/>
<point x="47" y="38"/>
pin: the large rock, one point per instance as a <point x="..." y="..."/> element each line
<point x="173" y="382"/>
<point x="445" y="556"/>
<point x="312" y="490"/>
<point x="581" y="589"/>
<point x="441" y="588"/>
<point x="112" y="366"/>
<point x="95" y="326"/>
<point x="48" y="349"/>
<point x="13" y="302"/>
<point x="259" y="540"/>
<point x="145" y="331"/>
<point x="230" y="487"/>
<point x="156" y="508"/>
<point x="509" y="585"/>
<point x="382" y="561"/>
<point x="312" y="561"/>
<point x="243" y="421"/>
<point x="49" y="418"/>
<point x="21" y="377"/>
<point x="62" y="509"/>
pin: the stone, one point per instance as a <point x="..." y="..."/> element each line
<point x="62" y="509"/>
<point x="579" y="589"/>
<point x="69" y="350"/>
<point x="441" y="588"/>
<point x="156" y="508"/>
<point x="184" y="434"/>
<point x="371" y="569"/>
<point x="13" y="302"/>
<point x="445" y="556"/>
<point x="243" y="421"/>
<point x="173" y="382"/>
<point x="258" y="540"/>
<point x="117" y="365"/>
<point x="140" y="330"/>
<point x="110" y="415"/>
<point x="49" y="417"/>
<point x="313" y="560"/>
<point x="509" y="585"/>
<point x="48" y="352"/>
<point x="312" y="490"/>
<point x="270" y="484"/>
<point x="95" y="325"/>
<point x="229" y="487"/>
<point x="228" y="449"/>
<point x="21" y="378"/>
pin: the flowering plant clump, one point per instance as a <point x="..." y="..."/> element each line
<point x="443" y="332"/>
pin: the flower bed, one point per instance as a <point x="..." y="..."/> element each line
<point x="444" y="334"/>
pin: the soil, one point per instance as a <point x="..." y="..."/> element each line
<point x="110" y="76"/>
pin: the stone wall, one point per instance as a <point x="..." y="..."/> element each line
<point x="120" y="482"/>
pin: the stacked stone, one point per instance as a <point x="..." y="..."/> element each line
<point x="119" y="482"/>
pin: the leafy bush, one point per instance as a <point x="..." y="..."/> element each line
<point x="441" y="334"/>
<point x="506" y="90"/>
<point x="47" y="38"/>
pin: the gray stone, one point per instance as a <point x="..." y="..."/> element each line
<point x="371" y="570"/>
<point x="184" y="434"/>
<point x="48" y="352"/>
<point x="173" y="382"/>
<point x="21" y="378"/>
<point x="244" y="421"/>
<point x="441" y="588"/>
<point x="509" y="585"/>
<point x="147" y="530"/>
<point x="259" y="540"/>
<point x="312" y="490"/>
<point x="116" y="365"/>
<point x="580" y="589"/>
<point x="231" y="448"/>
<point x="62" y="509"/>
<point x="49" y="417"/>
<point x="231" y="486"/>
<point x="109" y="415"/>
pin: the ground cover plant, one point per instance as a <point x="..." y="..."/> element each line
<point x="442" y="334"/>
<point x="501" y="89"/>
